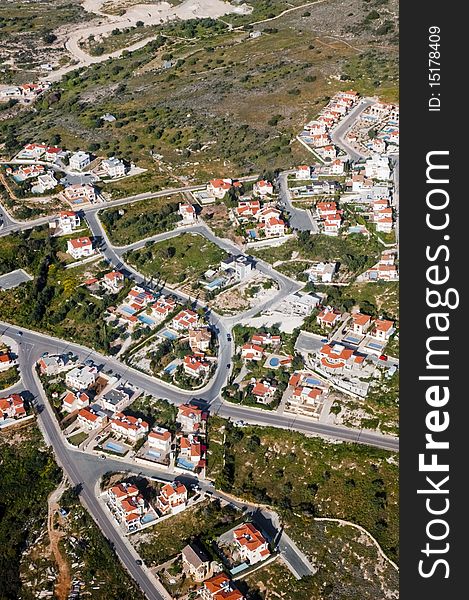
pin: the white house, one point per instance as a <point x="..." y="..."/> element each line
<point x="45" y="182"/>
<point x="360" y="323"/>
<point x="80" y="378"/>
<point x="187" y="212"/>
<point x="263" y="188"/>
<point x="79" y="161"/>
<point x="240" y="266"/>
<point x="329" y="152"/>
<point x="382" y="330"/>
<point x="67" y="221"/>
<point x="77" y="193"/>
<point x="377" y="167"/>
<point x="80" y="247"/>
<point x="303" y="172"/>
<point x="129" y="427"/>
<point x="113" y="167"/>
<point x="321" y="272"/>
<point x="337" y="167"/>
<point x="299" y="304"/>
<point x="200" y="338"/>
<point x="113" y="281"/>
<point x="159" y="440"/>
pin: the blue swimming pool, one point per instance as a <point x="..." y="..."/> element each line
<point x="352" y="340"/>
<point x="215" y="283"/>
<point x="185" y="464"/>
<point x="128" y="310"/>
<point x="170" y="368"/>
<point x="154" y="453"/>
<point x="312" y="381"/>
<point x="114" y="447"/>
<point x="145" y="319"/>
<point x="375" y="345"/>
<point x="274" y="361"/>
<point x="169" y="334"/>
<point x="148" y="518"/>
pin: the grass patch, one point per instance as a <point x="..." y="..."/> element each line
<point x="28" y="474"/>
<point x="78" y="438"/>
<point x="132" y="222"/>
<point x="205" y="521"/>
<point x="9" y="377"/>
<point x="177" y="260"/>
<point x="309" y="476"/>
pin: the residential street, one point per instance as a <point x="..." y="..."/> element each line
<point x="84" y="469"/>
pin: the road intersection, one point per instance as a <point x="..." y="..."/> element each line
<point x="85" y="470"/>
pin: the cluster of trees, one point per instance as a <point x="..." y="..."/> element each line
<point x="28" y="474"/>
<point x="354" y="251"/>
<point x="131" y="226"/>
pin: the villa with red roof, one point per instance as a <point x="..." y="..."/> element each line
<point x="220" y="587"/>
<point x="185" y="320"/>
<point x="252" y="352"/>
<point x="80" y="248"/>
<point x="172" y="498"/>
<point x="263" y="188"/>
<point x="195" y="365"/>
<point x="382" y="329"/>
<point x="190" y="418"/>
<point x="187" y="212"/>
<point x="273" y="227"/>
<point x="113" y="281"/>
<point x="127" y="504"/>
<point x="250" y="544"/>
<point x="12" y="407"/>
<point x="75" y="401"/>
<point x="332" y="224"/>
<point x="336" y="358"/>
<point x="263" y="392"/>
<point x="191" y="449"/>
<point x="303" y="172"/>
<point x="163" y="306"/>
<point x="129" y="427"/>
<point x="6" y="361"/>
<point x="266" y="339"/>
<point x="219" y="187"/>
<point x="328" y="318"/>
<point x="247" y="209"/>
<point x="90" y="420"/>
<point x="360" y="323"/>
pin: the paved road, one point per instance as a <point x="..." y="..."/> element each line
<point x="82" y="470"/>
<point x="309" y="342"/>
<point x="338" y="133"/>
<point x="299" y="219"/>
<point x="13" y="279"/>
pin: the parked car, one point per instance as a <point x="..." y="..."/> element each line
<point x="383" y="357"/>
